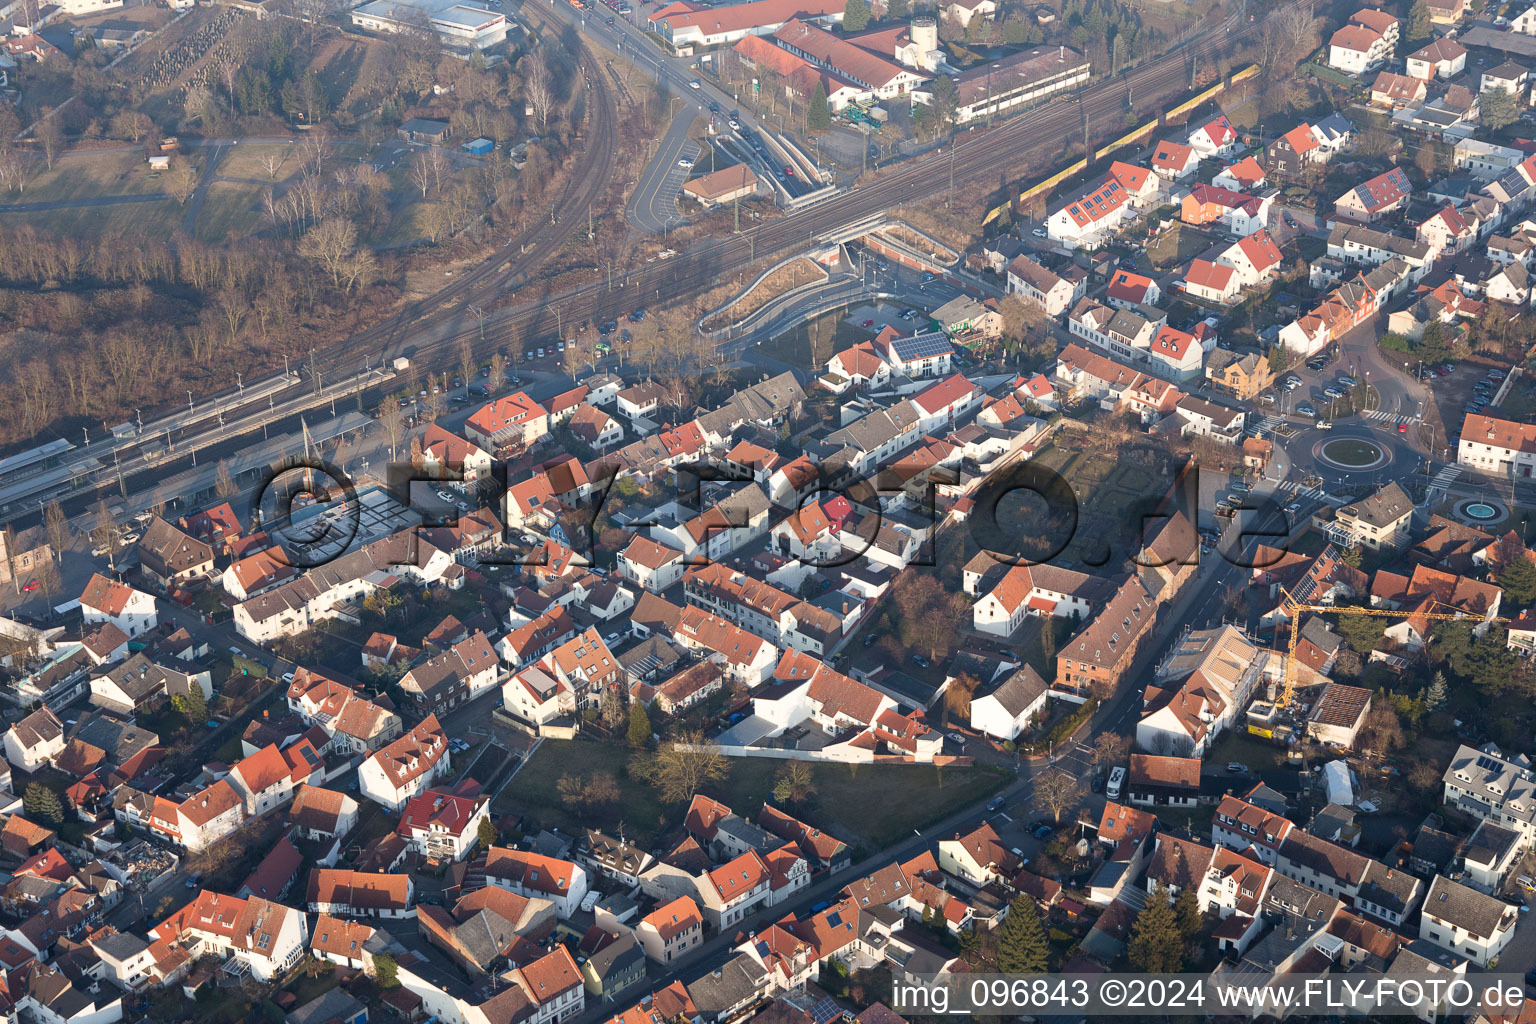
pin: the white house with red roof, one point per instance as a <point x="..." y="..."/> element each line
<point x="407" y="766"/>
<point x="267" y="937"/>
<point x="1041" y="590"/>
<point x="1038" y="389"/>
<point x="200" y="820"/>
<point x="1240" y="825"/>
<point x="670" y="930"/>
<point x="1441" y="58"/>
<point x="511" y="419"/>
<point x="1357" y="48"/>
<point x="1215" y="138"/>
<point x="1255" y="258"/>
<point x="862" y="364"/>
<point x="735" y="889"/>
<point x="268" y="778"/>
<point x="443" y="825"/>
<point x="108" y="600"/>
<point x="807" y="534"/>
<point x="1092" y="218"/>
<point x="943" y="402"/>
<point x="1176" y="353"/>
<point x="650" y="565"/>
<point x="978" y="857"/>
<point x="536" y="876"/>
<point x="1214" y="282"/>
<point x="1243" y="176"/>
<point x="1141" y="185"/>
<point x="1173" y="160"/>
<point x="1128" y="289"/>
<point x="1447" y="230"/>
<point x="1374" y="199"/>
<point x="444" y="451"/>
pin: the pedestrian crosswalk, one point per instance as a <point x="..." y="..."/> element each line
<point x="1312" y="493"/>
<point x="1378" y="414"/>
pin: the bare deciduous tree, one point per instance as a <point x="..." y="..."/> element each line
<point x="392" y="422"/>
<point x="56" y="528"/>
<point x="539" y="88"/>
<point x="680" y="770"/>
<point x="1057" y="792"/>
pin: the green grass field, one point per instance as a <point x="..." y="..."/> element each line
<point x="872" y="804"/>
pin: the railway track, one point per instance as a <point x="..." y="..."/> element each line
<point x="988" y="158"/>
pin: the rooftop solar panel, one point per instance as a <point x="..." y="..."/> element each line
<point x="825" y="1010"/>
<point x="922" y="346"/>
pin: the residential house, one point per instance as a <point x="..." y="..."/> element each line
<point x="1372" y="200"/>
<point x="346" y="893"/>
<point x="1010" y="707"/>
<point x="1466" y="922"/>
<point x="1442" y="58"/>
<point x="34" y="741"/>
<point x="537" y="877"/>
<point x="511" y="419"/>
<point x="410" y="764"/>
<point x="444" y="825"/>
<point x="172" y="558"/>
<point x="267" y="938"/>
<point x="107" y="600"/>
<point x="671" y="930"/>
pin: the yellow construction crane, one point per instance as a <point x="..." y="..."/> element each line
<point x="1294" y="607"/>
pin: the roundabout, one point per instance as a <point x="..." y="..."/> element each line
<point x="1352" y="453"/>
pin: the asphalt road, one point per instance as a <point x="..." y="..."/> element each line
<point x="653" y="205"/>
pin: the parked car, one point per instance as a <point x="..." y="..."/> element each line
<point x="1038" y="232"/>
<point x="1237" y="768"/>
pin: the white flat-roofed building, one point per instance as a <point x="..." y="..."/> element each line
<point x="462" y="25"/>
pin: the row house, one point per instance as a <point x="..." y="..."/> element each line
<point x="1466" y="922"/>
<point x="1123" y="333"/>
<point x="1361" y="245"/>
<point x="345" y="893"/>
<point x="1346" y="307"/>
<point x="296" y="606"/>
<point x="734" y="890"/>
<point x="1244" y="826"/>
<point x="454" y="677"/>
<point x="537" y="877"/>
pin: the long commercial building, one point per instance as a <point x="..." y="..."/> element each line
<point x="687" y="25"/>
<point x="1001" y="87"/>
<point x="462" y="25"/>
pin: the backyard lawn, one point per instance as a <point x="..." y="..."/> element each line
<point x="870" y="804"/>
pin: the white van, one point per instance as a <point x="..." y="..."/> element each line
<point x="1116" y="780"/>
